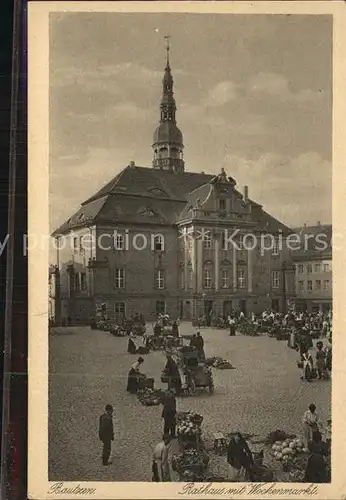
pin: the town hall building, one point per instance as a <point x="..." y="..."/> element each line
<point x="163" y="239"/>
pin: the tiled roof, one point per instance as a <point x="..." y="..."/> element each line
<point x="315" y="241"/>
<point x="147" y="195"/>
<point x="142" y="180"/>
<point x="85" y="215"/>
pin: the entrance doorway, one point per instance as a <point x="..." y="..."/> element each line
<point x="275" y="305"/>
<point x="243" y="307"/>
<point x="160" y="307"/>
<point x="208" y="311"/>
<point x="227" y="307"/>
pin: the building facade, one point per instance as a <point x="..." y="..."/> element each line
<point x="161" y="238"/>
<point x="313" y="269"/>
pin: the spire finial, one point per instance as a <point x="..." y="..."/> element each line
<point x="167" y="38"/>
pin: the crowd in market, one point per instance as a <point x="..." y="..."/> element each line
<point x="301" y="327"/>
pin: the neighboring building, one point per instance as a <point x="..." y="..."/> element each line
<point x="170" y="253"/>
<point x="51" y="292"/>
<point x="313" y="268"/>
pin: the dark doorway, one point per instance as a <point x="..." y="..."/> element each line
<point x="243" y="307"/>
<point x="275" y="305"/>
<point x="208" y="311"/>
<point x="160" y="307"/>
<point x="227" y="307"/>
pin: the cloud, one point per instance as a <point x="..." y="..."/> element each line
<point x="269" y="83"/>
<point x="294" y="190"/>
<point x="276" y="85"/>
<point x="220" y="94"/>
<point x="130" y="111"/>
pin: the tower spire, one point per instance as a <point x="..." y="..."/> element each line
<point x="167" y="38"/>
<point x="168" y="139"/>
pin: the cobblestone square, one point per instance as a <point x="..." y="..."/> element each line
<point x="89" y="368"/>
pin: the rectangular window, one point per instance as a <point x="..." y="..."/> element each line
<point x="83" y="282"/>
<point x="120" y="308"/>
<point x="222" y="205"/>
<point x="160" y="279"/>
<point x="158" y="243"/>
<point x="224" y="278"/>
<point x="76" y="282"/>
<point x="300" y="269"/>
<point x="275" y="247"/>
<point x="276" y="279"/>
<point x="182" y="279"/>
<point x="241" y="277"/>
<point x="309" y="286"/>
<point x="301" y="285"/>
<point x="326" y="285"/>
<point x="119" y="241"/>
<point x="309" y="268"/>
<point x="317" y="268"/>
<point x="207" y="278"/>
<point x="325" y="268"/>
<point x="120" y="278"/>
<point x="189" y="277"/>
<point x="318" y="285"/>
<point x="207" y="240"/>
<point x="81" y="245"/>
<point x="75" y="244"/>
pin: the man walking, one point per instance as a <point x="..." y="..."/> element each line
<point x="106" y="433"/>
<point x="169" y="413"/>
<point x="160" y="465"/>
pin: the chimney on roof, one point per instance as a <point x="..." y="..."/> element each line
<point x="246" y="193"/>
<point x="304" y="224"/>
<point x="132" y="164"/>
<point x="318" y="222"/>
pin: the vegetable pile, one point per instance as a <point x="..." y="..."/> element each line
<point x="190" y="459"/>
<point x="275" y="436"/>
<point x="189" y="424"/>
<point x="221" y="364"/>
<point x="285" y="451"/>
<point x="150" y="397"/>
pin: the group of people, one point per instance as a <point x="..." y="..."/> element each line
<point x="319" y="449"/>
<point x="323" y="366"/>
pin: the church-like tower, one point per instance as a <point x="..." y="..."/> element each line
<point x="168" y="140"/>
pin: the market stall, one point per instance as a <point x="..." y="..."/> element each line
<point x="192" y="461"/>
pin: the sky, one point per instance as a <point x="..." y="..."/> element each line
<point x="253" y="92"/>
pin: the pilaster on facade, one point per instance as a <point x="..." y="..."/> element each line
<point x="249" y="269"/>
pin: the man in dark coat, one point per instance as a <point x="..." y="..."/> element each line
<point x="172" y="372"/>
<point x="106" y="433"/>
<point x="199" y="344"/>
<point x="169" y="413"/>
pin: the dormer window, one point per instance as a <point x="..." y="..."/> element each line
<point x="148" y="213"/>
<point x="222" y="205"/>
<point x="158" y="192"/>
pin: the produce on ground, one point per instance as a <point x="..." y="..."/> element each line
<point x="190" y="460"/>
<point x="278" y="435"/>
<point x="286" y="450"/>
<point x="220" y="363"/>
<point x="150" y="397"/>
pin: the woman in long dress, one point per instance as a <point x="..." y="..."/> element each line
<point x="132" y="379"/>
<point x="308" y="366"/>
<point x="311" y="424"/>
<point x="239" y="458"/>
<point x="321" y="356"/>
<point x="131" y="346"/>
